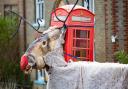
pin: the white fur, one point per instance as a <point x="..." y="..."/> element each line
<point x="79" y="75"/>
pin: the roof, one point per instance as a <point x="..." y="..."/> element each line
<point x="69" y="7"/>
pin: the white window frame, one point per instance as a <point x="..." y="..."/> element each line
<point x="40" y="12"/>
<point x="90" y="4"/>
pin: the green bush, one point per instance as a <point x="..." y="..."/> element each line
<point x="9" y="53"/>
<point x="121" y="57"/>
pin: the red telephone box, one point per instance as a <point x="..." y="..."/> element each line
<point x="79" y="40"/>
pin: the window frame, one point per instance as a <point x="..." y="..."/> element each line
<point x="11" y="8"/>
<point x="39" y="12"/>
<point x="90" y="4"/>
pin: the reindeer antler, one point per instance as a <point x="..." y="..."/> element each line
<point x="24" y="19"/>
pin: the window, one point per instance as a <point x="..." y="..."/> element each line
<point x="40" y="11"/>
<point x="89" y="4"/>
<point x="10" y="7"/>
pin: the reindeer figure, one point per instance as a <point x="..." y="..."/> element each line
<point x="47" y="52"/>
<point x="38" y="49"/>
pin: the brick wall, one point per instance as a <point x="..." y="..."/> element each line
<point x="111" y="17"/>
<point x="99" y="26"/>
<point x="7" y="2"/>
<point x="125" y="15"/>
<point x="108" y="27"/>
<point x="22" y="38"/>
<point x="100" y="31"/>
<point x="30" y="16"/>
<point x="116" y="13"/>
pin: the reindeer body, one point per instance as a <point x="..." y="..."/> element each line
<point x="85" y="75"/>
<point x="74" y="75"/>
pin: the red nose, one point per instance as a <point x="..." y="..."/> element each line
<point x="23" y="62"/>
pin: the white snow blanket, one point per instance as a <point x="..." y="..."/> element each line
<point x="76" y="75"/>
<point x="85" y="75"/>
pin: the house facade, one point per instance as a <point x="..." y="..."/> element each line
<point x="95" y="6"/>
<point x="116" y="26"/>
<point x="17" y="6"/>
<point x="111" y="22"/>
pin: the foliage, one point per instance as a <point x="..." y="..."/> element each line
<point x="8" y="48"/>
<point x="122" y="57"/>
<point x="9" y="52"/>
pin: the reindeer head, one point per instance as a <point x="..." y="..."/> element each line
<point x="34" y="56"/>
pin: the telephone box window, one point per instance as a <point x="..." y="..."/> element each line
<point x="81" y="34"/>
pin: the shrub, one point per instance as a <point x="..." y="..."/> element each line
<point x="121" y="56"/>
<point x="9" y="54"/>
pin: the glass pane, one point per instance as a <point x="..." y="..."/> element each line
<point x="88" y="34"/>
<point x="39" y="11"/>
<point x="74" y="33"/>
<point x="80" y="53"/>
<point x="42" y="10"/>
<point x="80" y="43"/>
<point x="87" y="53"/>
<point x="88" y="43"/>
<point x="83" y="55"/>
<point x="88" y="4"/>
<point x="40" y="0"/>
<point x="81" y="34"/>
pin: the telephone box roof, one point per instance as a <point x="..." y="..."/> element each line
<point x="69" y="7"/>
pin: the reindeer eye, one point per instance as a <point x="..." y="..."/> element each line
<point x="44" y="43"/>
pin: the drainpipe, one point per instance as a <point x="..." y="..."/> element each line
<point x="24" y="15"/>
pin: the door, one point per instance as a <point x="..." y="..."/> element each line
<point x="79" y="43"/>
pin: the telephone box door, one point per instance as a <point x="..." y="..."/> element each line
<point x="79" y="43"/>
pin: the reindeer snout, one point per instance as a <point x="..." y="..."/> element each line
<point x="23" y="62"/>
